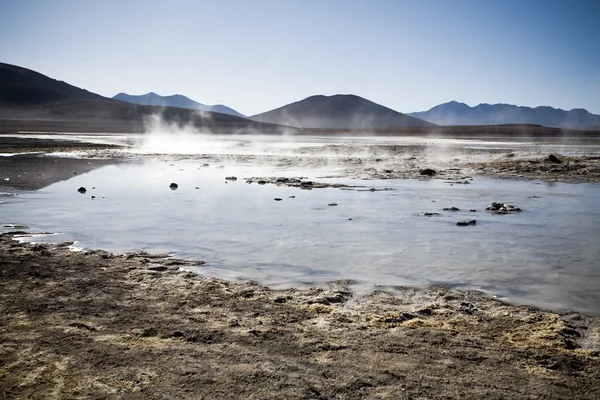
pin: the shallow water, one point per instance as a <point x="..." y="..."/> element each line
<point x="546" y="255"/>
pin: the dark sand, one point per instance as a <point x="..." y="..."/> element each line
<point x="99" y="325"/>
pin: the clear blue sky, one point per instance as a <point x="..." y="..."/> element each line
<point x="256" y="55"/>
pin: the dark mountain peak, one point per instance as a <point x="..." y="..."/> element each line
<point x="22" y="86"/>
<point x="339" y="111"/>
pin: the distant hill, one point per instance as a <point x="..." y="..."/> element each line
<point x="32" y="101"/>
<point x="22" y="87"/>
<point x="341" y="111"/>
<point x="176" y="100"/>
<point x="455" y="113"/>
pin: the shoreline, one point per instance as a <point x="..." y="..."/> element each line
<point x="98" y="324"/>
<point x="93" y="323"/>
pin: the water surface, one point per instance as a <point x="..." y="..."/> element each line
<point x="546" y="255"/>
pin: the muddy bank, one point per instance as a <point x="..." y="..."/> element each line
<point x="99" y="325"/>
<point x="547" y="167"/>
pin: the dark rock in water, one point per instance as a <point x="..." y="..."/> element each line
<point x="231" y="178"/>
<point x="502" y="208"/>
<point x="451" y="209"/>
<point x="466" y="223"/>
<point x="291" y="197"/>
<point x="333" y="204"/>
<point x="282" y="180"/>
<point x="205" y="165"/>
<point x="552" y="158"/>
<point x="427" y="172"/>
<point x="82" y="190"/>
<point x="197" y="187"/>
<point x="473" y="210"/>
<point x="93" y="197"/>
<point x="262" y="182"/>
<point x="430" y="214"/>
<point x="277" y="199"/>
<point x="388" y="171"/>
<point x="173" y="186"/>
<point x="306" y="183"/>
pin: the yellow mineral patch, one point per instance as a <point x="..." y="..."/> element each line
<point x="543" y="330"/>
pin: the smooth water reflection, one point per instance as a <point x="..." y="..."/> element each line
<point x="546" y="256"/>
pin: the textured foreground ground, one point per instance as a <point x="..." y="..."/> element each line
<point x="98" y="325"/>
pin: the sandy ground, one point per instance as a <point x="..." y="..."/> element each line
<point x="99" y="325"/>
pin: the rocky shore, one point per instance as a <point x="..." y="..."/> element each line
<point x="92" y="324"/>
<point x="100" y="325"/>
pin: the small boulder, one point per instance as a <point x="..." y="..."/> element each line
<point x="231" y="178"/>
<point x="427" y="172"/>
<point x="502" y="208"/>
<point x="467" y="223"/>
<point x="82" y="190"/>
<point x="173" y="186"/>
<point x="451" y="209"/>
<point x="553" y="159"/>
<point x="332" y="204"/>
<point x="277" y="199"/>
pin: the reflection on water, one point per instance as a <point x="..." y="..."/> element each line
<point x="546" y="255"/>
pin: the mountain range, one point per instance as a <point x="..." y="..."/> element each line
<point x="455" y="113"/>
<point x="32" y="101"/>
<point x="341" y="111"/>
<point x="176" y="100"/>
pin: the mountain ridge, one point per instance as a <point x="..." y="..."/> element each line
<point x="456" y="113"/>
<point x="339" y="111"/>
<point x="175" y="100"/>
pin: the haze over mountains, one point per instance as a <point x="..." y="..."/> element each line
<point x="32" y="101"/>
<point x="455" y="113"/>
<point x="176" y="100"/>
<point x="341" y="111"/>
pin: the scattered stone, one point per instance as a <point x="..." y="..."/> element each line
<point x="473" y="210"/>
<point x="93" y="197"/>
<point x="451" y="209"/>
<point x="82" y="190"/>
<point x="553" y="159"/>
<point x="262" y="182"/>
<point x="277" y="199"/>
<point x="197" y="187"/>
<point x="306" y="183"/>
<point x="173" y="186"/>
<point x="333" y="204"/>
<point x="502" y="208"/>
<point x="430" y="214"/>
<point x="291" y="197"/>
<point x="388" y="171"/>
<point x="205" y="165"/>
<point x="231" y="178"/>
<point x="466" y="223"/>
<point x="427" y="172"/>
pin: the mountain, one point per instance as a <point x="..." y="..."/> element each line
<point x="176" y="100"/>
<point x="22" y="87"/>
<point x="32" y="101"/>
<point x="341" y="111"/>
<point x="455" y="113"/>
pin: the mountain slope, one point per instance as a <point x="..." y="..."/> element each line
<point x="32" y="101"/>
<point x="177" y="100"/>
<point x="21" y="86"/>
<point x="454" y="113"/>
<point x="341" y="111"/>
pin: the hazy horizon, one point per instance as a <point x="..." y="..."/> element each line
<point x="254" y="56"/>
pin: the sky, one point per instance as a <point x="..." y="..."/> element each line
<point x="257" y="55"/>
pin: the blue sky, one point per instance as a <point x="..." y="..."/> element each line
<point x="258" y="55"/>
